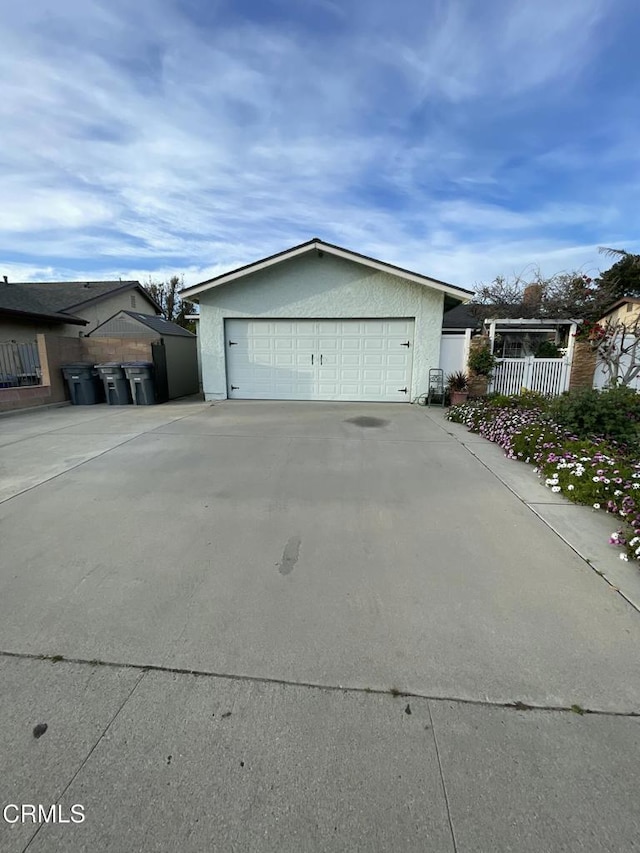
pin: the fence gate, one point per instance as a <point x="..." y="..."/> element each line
<point x="544" y="375"/>
<point x="19" y="364"/>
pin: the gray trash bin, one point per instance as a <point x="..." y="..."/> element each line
<point x="140" y="376"/>
<point x="83" y="383"/>
<point x="116" y="385"/>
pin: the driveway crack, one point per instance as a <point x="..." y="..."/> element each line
<point x="515" y="705"/>
<point x="444" y="785"/>
<point x="89" y="754"/>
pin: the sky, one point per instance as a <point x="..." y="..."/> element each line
<point x="457" y="138"/>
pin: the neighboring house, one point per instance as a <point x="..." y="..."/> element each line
<point x="625" y="310"/>
<point x="319" y="322"/>
<point x="457" y="320"/>
<point x="174" y="349"/>
<point x="69" y="308"/>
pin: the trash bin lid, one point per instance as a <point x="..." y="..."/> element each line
<point x="108" y="364"/>
<point x="136" y="364"/>
<point x="78" y="365"/>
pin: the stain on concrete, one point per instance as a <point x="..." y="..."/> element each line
<point x="290" y="555"/>
<point x="366" y="421"/>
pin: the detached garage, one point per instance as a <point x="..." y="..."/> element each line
<point x="318" y="322"/>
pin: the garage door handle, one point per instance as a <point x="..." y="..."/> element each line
<point x="312" y="358"/>
<point x="233" y="343"/>
<point x="402" y="390"/>
<point x="320" y="358"/>
<point x="408" y="343"/>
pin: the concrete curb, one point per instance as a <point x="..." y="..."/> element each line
<point x="27" y="410"/>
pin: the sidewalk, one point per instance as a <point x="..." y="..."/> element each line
<point x="585" y="530"/>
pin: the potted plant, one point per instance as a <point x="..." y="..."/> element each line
<point x="458" y="385"/>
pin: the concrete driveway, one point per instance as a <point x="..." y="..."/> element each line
<point x="239" y="593"/>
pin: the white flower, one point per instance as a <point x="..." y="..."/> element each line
<point x="624" y="557"/>
<point x="555" y="488"/>
<point x="570" y="487"/>
<point x="596" y="506"/>
<point x="595" y="479"/>
<point x="617" y="493"/>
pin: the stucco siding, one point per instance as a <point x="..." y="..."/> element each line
<point x="314" y="287"/>
<point x="628" y="314"/>
<point x="17" y="330"/>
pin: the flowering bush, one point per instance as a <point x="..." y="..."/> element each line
<point x="590" y="471"/>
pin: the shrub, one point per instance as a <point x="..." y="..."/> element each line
<point x="612" y="414"/>
<point x="547" y="349"/>
<point x="482" y="361"/>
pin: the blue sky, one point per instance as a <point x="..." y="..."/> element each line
<point x="461" y="139"/>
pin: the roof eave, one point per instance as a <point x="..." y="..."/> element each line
<point x="49" y="318"/>
<point x="382" y="266"/>
<point x="131" y="285"/>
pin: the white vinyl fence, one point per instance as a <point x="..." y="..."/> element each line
<point x="544" y="375"/>
<point x="454" y="352"/>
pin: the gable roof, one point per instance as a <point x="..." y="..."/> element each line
<point x="156" y="324"/>
<point x="623" y="301"/>
<point x="22" y="303"/>
<point x="65" y="296"/>
<point x="316" y="244"/>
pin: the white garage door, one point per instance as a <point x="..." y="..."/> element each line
<point x="319" y="359"/>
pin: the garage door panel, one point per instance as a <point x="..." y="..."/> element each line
<point x="319" y="359"/>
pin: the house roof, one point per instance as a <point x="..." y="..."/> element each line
<point x="21" y="302"/>
<point x="460" y="317"/>
<point x="624" y="301"/>
<point x="64" y="296"/>
<point x="157" y="324"/>
<point x="316" y="244"/>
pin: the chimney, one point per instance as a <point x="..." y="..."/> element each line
<point x="532" y="295"/>
<point x="6" y="279"/>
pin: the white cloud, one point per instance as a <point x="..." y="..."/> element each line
<point x="137" y="140"/>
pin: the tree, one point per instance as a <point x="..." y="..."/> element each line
<point x="623" y="278"/>
<point x="167" y="295"/>
<point x="564" y="295"/>
<point x="617" y="344"/>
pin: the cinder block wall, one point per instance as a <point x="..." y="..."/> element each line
<point x="98" y="350"/>
<point x="56" y="350"/>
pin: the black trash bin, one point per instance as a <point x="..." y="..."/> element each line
<point x="140" y="376"/>
<point x="83" y="383"/>
<point x="116" y="385"/>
